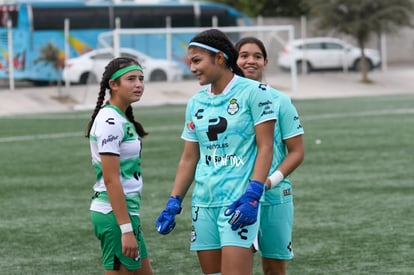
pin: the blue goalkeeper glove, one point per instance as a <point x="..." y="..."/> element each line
<point x="244" y="210"/>
<point x="165" y="222"/>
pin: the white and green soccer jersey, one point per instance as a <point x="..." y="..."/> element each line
<point x="223" y="125"/>
<point x="112" y="133"/>
<point x="287" y="126"/>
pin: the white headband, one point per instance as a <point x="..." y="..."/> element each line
<point x="207" y="47"/>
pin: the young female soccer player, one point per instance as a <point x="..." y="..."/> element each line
<point x="276" y="215"/>
<point x="228" y="133"/>
<point x="115" y="141"/>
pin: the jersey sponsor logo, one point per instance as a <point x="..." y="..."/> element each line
<point x="217" y="146"/>
<point x="216" y="126"/>
<point x="263" y="86"/>
<point x="289" y="247"/>
<point x="109" y="139"/>
<point x="295" y="118"/>
<point x="233" y="107"/>
<point x="242" y="233"/>
<point x="199" y="113"/>
<point x="191" y="125"/>
<point x="224" y="160"/>
<point x="267" y="112"/>
<point x="110" y="121"/>
<point x="267" y="105"/>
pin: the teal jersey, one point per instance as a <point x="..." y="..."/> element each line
<point x="223" y="125"/>
<point x="112" y="133"/>
<point x="287" y="126"/>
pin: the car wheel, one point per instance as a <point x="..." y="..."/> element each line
<point x="158" y="75"/>
<point x="358" y="65"/>
<point x="88" y="78"/>
<point x="299" y="67"/>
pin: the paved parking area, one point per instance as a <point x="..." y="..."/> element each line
<point x="26" y="99"/>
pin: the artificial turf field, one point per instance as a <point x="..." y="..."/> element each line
<point x="353" y="195"/>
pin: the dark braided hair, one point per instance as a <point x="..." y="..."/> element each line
<point x="217" y="39"/>
<point x="252" y="40"/>
<point x="110" y="69"/>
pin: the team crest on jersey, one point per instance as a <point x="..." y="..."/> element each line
<point x="193" y="234"/>
<point x="233" y="107"/>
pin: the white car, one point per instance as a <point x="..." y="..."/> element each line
<point x="325" y="53"/>
<point x="89" y="67"/>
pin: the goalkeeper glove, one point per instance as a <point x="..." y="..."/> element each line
<point x="244" y="210"/>
<point x="165" y="222"/>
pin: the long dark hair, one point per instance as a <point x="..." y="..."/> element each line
<point x="110" y="69"/>
<point x="252" y="40"/>
<point x="217" y="39"/>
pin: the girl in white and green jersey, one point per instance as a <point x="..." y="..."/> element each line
<point x="115" y="143"/>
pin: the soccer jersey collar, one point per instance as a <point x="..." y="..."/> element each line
<point x="227" y="88"/>
<point x="115" y="108"/>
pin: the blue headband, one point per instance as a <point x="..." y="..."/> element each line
<point x="207" y="47"/>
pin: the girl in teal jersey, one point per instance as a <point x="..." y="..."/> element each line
<point x="115" y="141"/>
<point x="228" y="132"/>
<point x="276" y="216"/>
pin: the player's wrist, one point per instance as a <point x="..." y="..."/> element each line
<point x="126" y="228"/>
<point x="256" y="188"/>
<point x="276" y="178"/>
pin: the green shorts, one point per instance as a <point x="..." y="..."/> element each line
<point x="211" y="230"/>
<point x="108" y="232"/>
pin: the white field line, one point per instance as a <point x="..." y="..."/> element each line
<point x="359" y="114"/>
<point x="171" y="127"/>
<point x="75" y="134"/>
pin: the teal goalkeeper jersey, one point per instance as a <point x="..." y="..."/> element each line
<point x="288" y="125"/>
<point x="223" y="125"/>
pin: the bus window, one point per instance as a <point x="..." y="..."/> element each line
<point x="155" y="17"/>
<point x="80" y="18"/>
<point x="8" y="13"/>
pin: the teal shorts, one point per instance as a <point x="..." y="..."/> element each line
<point x="275" y="233"/>
<point x="108" y="232"/>
<point x="211" y="230"/>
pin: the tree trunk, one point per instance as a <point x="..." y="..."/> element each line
<point x="364" y="67"/>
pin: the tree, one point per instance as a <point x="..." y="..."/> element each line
<point x="50" y="55"/>
<point x="362" y="18"/>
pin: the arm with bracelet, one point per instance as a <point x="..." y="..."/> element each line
<point x="110" y="166"/>
<point x="275" y="178"/>
<point x="294" y="157"/>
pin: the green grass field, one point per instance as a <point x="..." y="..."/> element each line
<point x="354" y="193"/>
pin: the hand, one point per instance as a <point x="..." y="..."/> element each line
<point x="129" y="245"/>
<point x="245" y="209"/>
<point x="165" y="223"/>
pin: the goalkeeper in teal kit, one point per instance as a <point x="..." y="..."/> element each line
<point x="228" y="135"/>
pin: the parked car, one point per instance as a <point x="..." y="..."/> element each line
<point x="89" y="67"/>
<point x="325" y="53"/>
